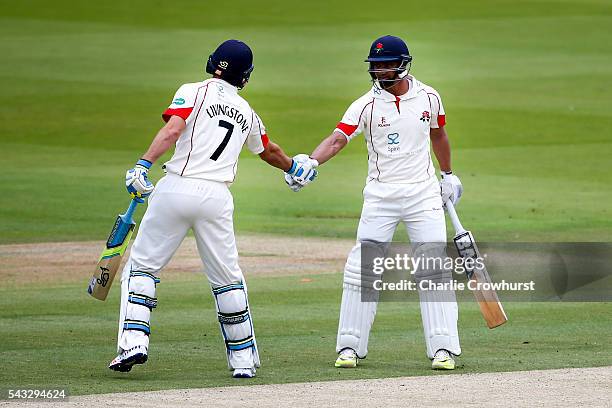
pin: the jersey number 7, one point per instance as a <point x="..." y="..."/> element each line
<point x="225" y="141"/>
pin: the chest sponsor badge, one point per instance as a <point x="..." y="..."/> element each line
<point x="393" y="142"/>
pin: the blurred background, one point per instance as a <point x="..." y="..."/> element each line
<point x="526" y="87"/>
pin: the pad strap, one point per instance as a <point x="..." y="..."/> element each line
<point x="145" y="274"/>
<point x="142" y="300"/>
<point x="240" y="344"/>
<point x="139" y="325"/>
<point x="227" y="288"/>
<point x="234" y="318"/>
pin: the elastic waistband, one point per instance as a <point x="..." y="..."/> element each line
<point x="432" y="178"/>
<point x="180" y="184"/>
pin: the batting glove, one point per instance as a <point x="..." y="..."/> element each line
<point x="303" y="169"/>
<point x="137" y="182"/>
<point x="295" y="164"/>
<point x="293" y="185"/>
<point x="450" y="188"/>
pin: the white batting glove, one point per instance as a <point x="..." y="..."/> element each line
<point x="137" y="182"/>
<point x="306" y="169"/>
<point x="293" y="185"/>
<point x="450" y="188"/>
<point x="295" y="163"/>
<point x="302" y="171"/>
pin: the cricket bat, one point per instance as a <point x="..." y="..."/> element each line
<point x="490" y="306"/>
<point x="110" y="260"/>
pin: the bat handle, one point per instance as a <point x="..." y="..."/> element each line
<point x="127" y="217"/>
<point x="450" y="208"/>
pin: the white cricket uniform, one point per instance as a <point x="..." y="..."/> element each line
<point x="195" y="195"/>
<point x="401" y="187"/>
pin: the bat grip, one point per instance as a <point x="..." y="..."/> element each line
<point x="127" y="217"/>
<point x="450" y="208"/>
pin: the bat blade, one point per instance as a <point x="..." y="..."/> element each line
<point x="111" y="256"/>
<point x="490" y="306"/>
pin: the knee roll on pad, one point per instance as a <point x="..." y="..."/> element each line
<point x="234" y="317"/>
<point x="434" y="269"/>
<point x="361" y="275"/>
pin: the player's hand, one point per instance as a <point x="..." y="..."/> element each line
<point x="303" y="170"/>
<point x="450" y="188"/>
<point x="137" y="182"/>
<point x="295" y="164"/>
<point x="293" y="185"/>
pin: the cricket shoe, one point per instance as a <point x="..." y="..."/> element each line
<point x="346" y="359"/>
<point x="126" y="359"/>
<point x="443" y="360"/>
<point x="244" y="373"/>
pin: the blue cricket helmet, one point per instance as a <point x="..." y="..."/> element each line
<point x="232" y="61"/>
<point x="389" y="48"/>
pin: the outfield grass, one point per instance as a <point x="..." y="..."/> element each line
<point x="60" y="337"/>
<point x="527" y="91"/>
<point x="526" y="88"/>
<point x="515" y="209"/>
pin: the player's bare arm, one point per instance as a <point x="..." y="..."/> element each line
<point x="299" y="170"/>
<point x="276" y="157"/>
<point x="136" y="179"/>
<point x="165" y="138"/>
<point x="329" y="147"/>
<point x="441" y="148"/>
<point x="450" y="185"/>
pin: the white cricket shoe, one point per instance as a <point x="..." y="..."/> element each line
<point x="244" y="373"/>
<point x="347" y="359"/>
<point x="126" y="359"/>
<point x="443" y="360"/>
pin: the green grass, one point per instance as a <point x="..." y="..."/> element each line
<point x="83" y="192"/>
<point x="60" y="336"/>
<point x="526" y="88"/>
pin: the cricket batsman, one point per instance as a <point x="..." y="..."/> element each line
<point x="208" y="122"/>
<point x="399" y="117"/>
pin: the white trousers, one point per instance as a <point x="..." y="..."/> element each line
<point x="419" y="207"/>
<point x="177" y="205"/>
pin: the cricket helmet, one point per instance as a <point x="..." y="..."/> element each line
<point x="387" y="49"/>
<point x="232" y="61"/>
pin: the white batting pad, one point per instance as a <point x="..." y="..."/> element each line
<point x="236" y="326"/>
<point x="356" y="316"/>
<point x="439" y="324"/>
<point x="439" y="310"/>
<point x="137" y="301"/>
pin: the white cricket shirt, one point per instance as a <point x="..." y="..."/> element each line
<point x="219" y="123"/>
<point x="396" y="130"/>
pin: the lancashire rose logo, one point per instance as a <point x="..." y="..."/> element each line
<point x="425" y="116"/>
<point x="379" y="47"/>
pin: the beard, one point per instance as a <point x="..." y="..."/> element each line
<point x="386" y="83"/>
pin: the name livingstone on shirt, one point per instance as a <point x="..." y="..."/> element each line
<point x="232" y="113"/>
